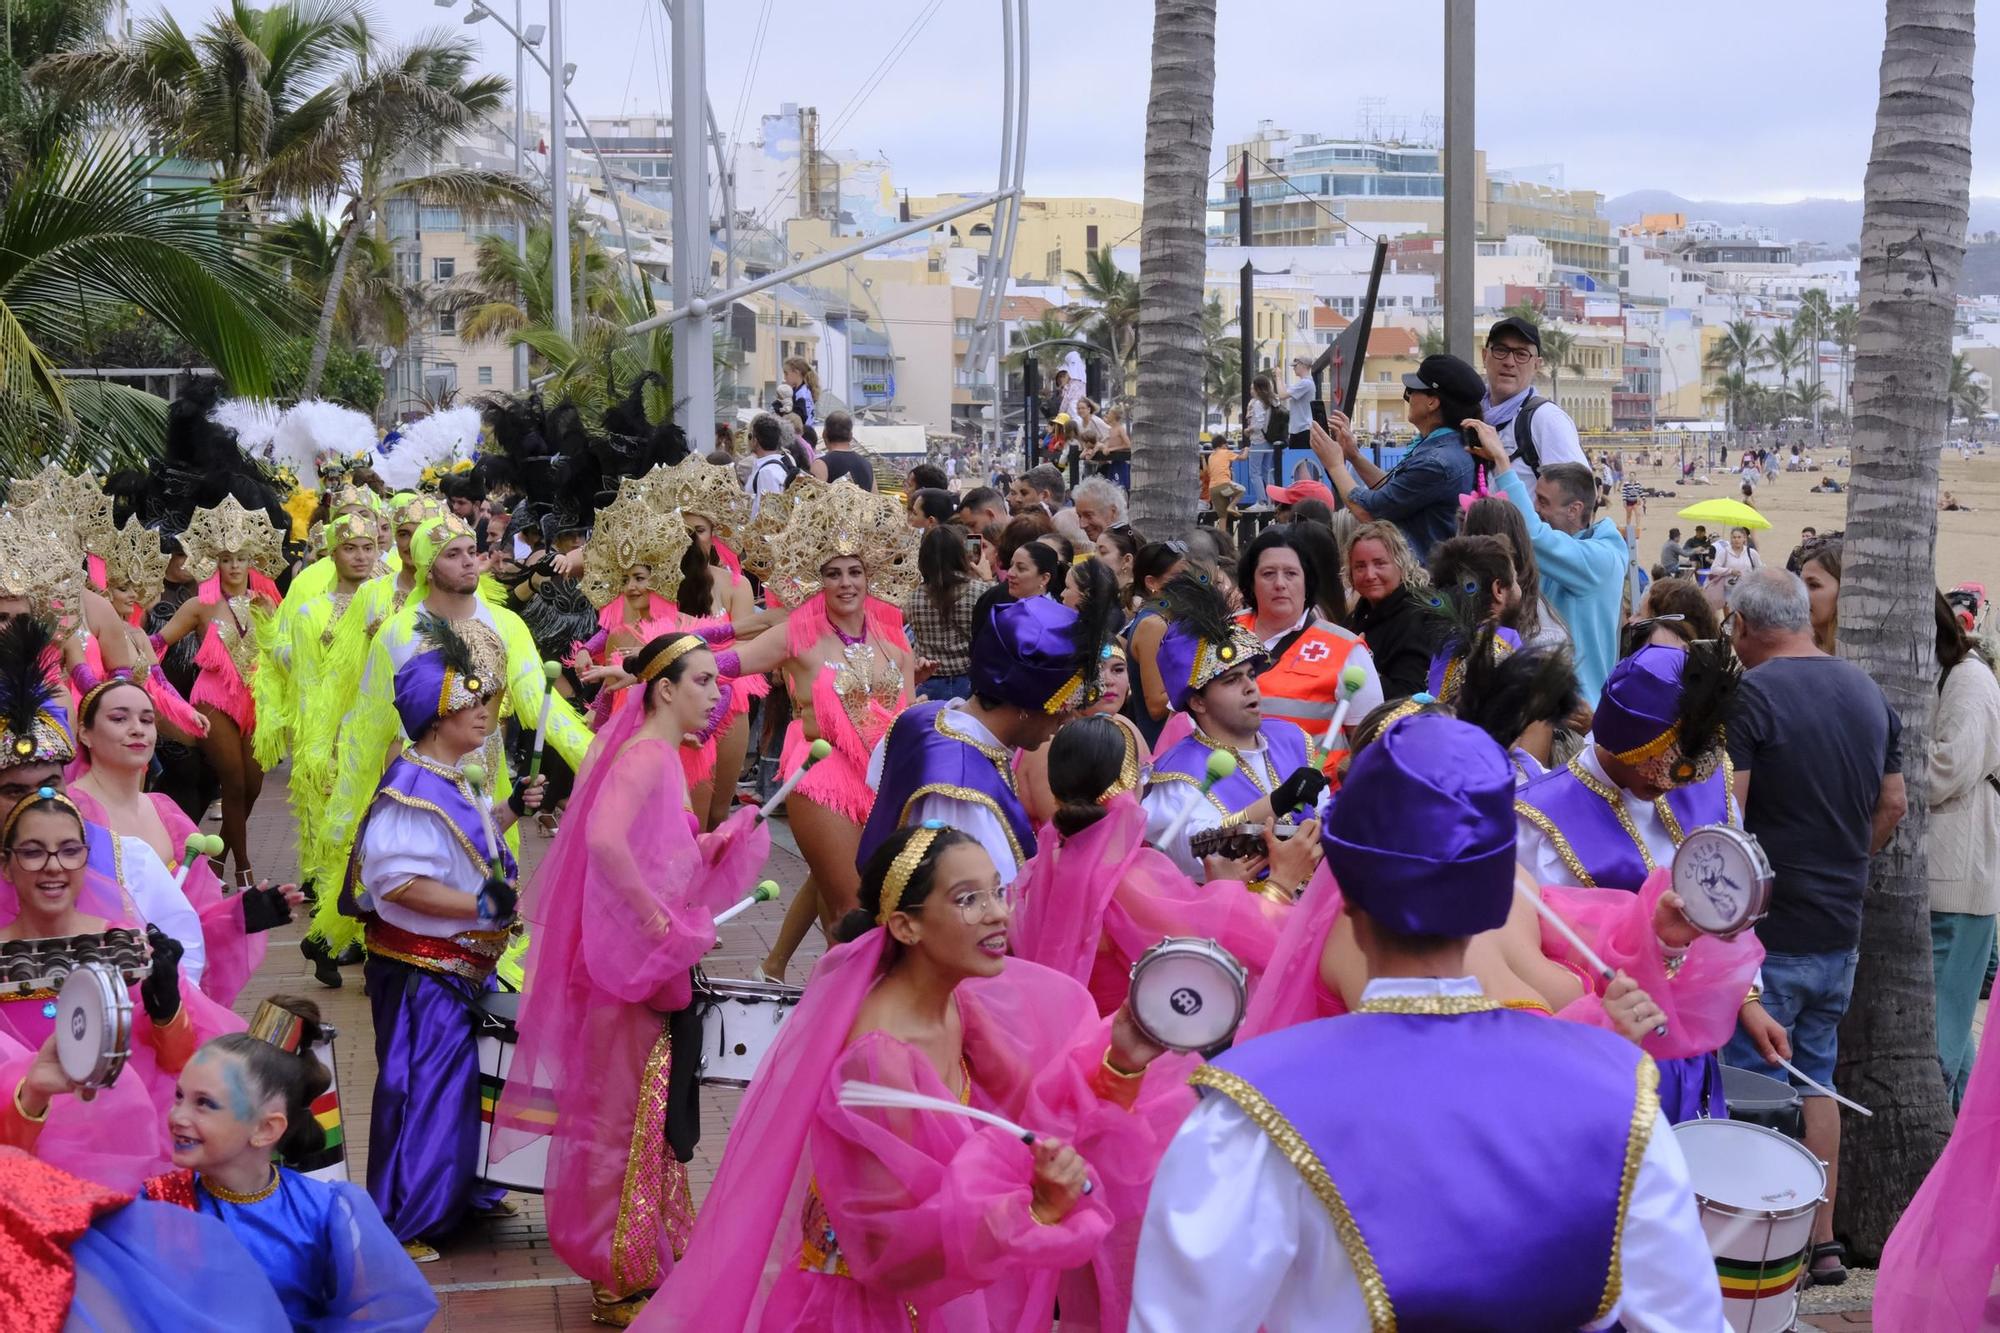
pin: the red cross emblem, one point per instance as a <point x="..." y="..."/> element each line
<point x="1315" y="651"/>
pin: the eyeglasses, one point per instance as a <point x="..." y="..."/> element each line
<point x="1511" y="354"/>
<point x="976" y="905"/>
<point x="33" y="856"/>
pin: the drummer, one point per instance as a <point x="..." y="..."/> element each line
<point x="1578" y="1216"/>
<point x="435" y="887"/>
<point x="1655" y="771"/>
<point x="1209" y="663"/>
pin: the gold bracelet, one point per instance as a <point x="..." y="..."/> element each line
<point x="1040" y="1221"/>
<point x="1115" y="1071"/>
<point x="1755" y="996"/>
<point x="27" y="1115"/>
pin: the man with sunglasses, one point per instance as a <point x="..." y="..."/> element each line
<point x="1535" y="430"/>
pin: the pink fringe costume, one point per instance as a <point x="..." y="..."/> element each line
<point x="852" y="718"/>
<point x="119" y="1137"/>
<point x="1941" y="1268"/>
<point x="866" y="1221"/>
<point x="663" y="617"/>
<point x="233" y="954"/>
<point x="620" y="912"/>
<point x="167" y="701"/>
<point x="1092" y="903"/>
<point x="225" y="658"/>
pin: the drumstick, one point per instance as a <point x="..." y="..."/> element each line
<point x="763" y="893"/>
<point x="819" y="750"/>
<point x="197" y="844"/>
<point x="1351" y="681"/>
<point x="875" y="1096"/>
<point x="1563" y="928"/>
<point x="1221" y="764"/>
<point x="1821" y="1088"/>
<point x="550" y="671"/>
<point x="475" y="778"/>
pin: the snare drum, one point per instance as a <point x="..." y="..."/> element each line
<point x="1723" y="879"/>
<point x="1188" y="994"/>
<point x="739" y="1022"/>
<point x="1758" y="1099"/>
<point x="526" y="1167"/>
<point x="93" y="1025"/>
<point x="1756" y="1192"/>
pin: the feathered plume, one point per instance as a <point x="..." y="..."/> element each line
<point x="437" y="438"/>
<point x="1504" y="696"/>
<point x="27" y="650"/>
<point x="451" y="645"/>
<point x="255" y="424"/>
<point x="1708" y="694"/>
<point x="1196" y="604"/>
<point x="316" y="432"/>
<point x="201" y="465"/>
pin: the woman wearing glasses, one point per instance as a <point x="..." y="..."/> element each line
<point x="844" y="1217"/>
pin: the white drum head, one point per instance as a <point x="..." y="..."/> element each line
<point x="1721" y="879"/>
<point x="1187" y="995"/>
<point x="1749" y="1168"/>
<point x="90" y="1034"/>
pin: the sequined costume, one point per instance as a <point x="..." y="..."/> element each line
<point x="852" y="703"/>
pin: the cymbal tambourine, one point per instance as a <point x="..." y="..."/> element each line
<point x="1723" y="879"/>
<point x="1188" y="994"/>
<point x="93" y="1025"/>
<point x="1235" y="842"/>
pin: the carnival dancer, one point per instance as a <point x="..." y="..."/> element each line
<point x="349" y="510"/>
<point x="843" y="563"/>
<point x="244" y="1108"/>
<point x="50" y="890"/>
<point x="436" y="892"/>
<point x="232" y="552"/>
<point x="1034" y="664"/>
<point x="372" y="730"/>
<point x="1209" y="664"/>
<point x="1095" y="897"/>
<point x="135" y="570"/>
<point x="622" y="910"/>
<point x="1579" y="1216"/>
<point x="115" y="741"/>
<point x="837" y="1217"/>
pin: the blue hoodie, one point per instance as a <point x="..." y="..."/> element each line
<point x="1583" y="576"/>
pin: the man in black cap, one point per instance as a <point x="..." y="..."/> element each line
<point x="1536" y="431"/>
<point x="1420" y="494"/>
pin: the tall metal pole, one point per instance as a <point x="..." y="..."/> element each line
<point x="694" y="334"/>
<point x="1246" y="323"/>
<point x="1460" y="241"/>
<point x="558" y="177"/>
<point x="520" y="170"/>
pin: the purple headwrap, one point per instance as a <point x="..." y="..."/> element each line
<point x="1664" y="709"/>
<point x="1448" y="664"/>
<point x="1189" y="660"/>
<point x="1025" y="653"/>
<point x="1421" y="836"/>
<point x="463" y="669"/>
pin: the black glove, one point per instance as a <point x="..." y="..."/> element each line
<point x="263" y="908"/>
<point x="1302" y="788"/>
<point x="517" y="803"/>
<point x="496" y="900"/>
<point x="160" y="991"/>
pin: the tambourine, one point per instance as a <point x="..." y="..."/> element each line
<point x="44" y="964"/>
<point x="1723" y="879"/>
<point x="1188" y="994"/>
<point x="93" y="1025"/>
<point x="1235" y="842"/>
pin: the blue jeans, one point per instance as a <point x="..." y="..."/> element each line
<point x="945" y="687"/>
<point x="1807" y="993"/>
<point x="1961" y="943"/>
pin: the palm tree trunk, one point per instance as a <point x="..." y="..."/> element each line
<point x="1180" y="131"/>
<point x="350" y="233"/>
<point x="1912" y="250"/>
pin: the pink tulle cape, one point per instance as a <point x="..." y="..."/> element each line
<point x="1941" y="1268"/>
<point x="232" y="954"/>
<point x="929" y="1210"/>
<point x="1291" y="991"/>
<point x="167" y="700"/>
<point x="119" y="1137"/>
<point x="1092" y="903"/>
<point x="620" y="912"/>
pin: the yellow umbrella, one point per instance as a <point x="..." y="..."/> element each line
<point x="1726" y="513"/>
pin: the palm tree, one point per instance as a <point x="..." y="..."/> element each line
<point x="1913" y="216"/>
<point x="1736" y="349"/>
<point x="597" y="363"/>
<point x="1814" y="319"/>
<point x="81" y="237"/>
<point x="1558" y="354"/>
<point x="1806" y="400"/>
<point x="1222" y="362"/>
<point x="251" y="93"/>
<point x="375" y="307"/>
<point x="391" y="111"/>
<point x="1846" y="328"/>
<point x="1736" y="389"/>
<point x="1524" y="309"/>
<point x="506" y="291"/>
<point x="34" y="121"/>
<point x="1784" y="351"/>
<point x="1180" y="131"/>
<point x="1968" y="396"/>
<point x="1051" y="327"/>
<point x="1431" y="342"/>
<point x="1109" y="312"/>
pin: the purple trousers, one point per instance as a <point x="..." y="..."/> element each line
<point x="1682" y="1084"/>
<point x="423" y="1131"/>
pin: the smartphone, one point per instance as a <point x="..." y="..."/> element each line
<point x="1319" y="413"/>
<point x="972" y="544"/>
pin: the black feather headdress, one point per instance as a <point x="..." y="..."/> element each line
<point x="35" y="721"/>
<point x="1709" y="683"/>
<point x="1505" y="695"/>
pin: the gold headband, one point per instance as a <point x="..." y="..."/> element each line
<point x="1128" y="768"/>
<point x="21" y="807"/>
<point x="897" y="881"/>
<point x="136" y="681"/>
<point x="669" y="655"/>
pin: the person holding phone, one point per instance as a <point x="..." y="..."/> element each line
<point x="938" y="611"/>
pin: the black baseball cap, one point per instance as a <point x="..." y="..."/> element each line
<point x="1448" y="377"/>
<point x="1520" y="328"/>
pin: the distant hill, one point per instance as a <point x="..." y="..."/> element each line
<point x="1835" y="222"/>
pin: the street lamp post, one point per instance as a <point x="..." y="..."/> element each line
<point x="520" y="169"/>
<point x="559" y="177"/>
<point x="694" y="332"/>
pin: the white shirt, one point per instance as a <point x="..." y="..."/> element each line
<point x="163" y="903"/>
<point x="971" y="817"/>
<point x="1165" y="802"/>
<point x="1234" y="1240"/>
<point x="767" y="477"/>
<point x="402" y="843"/>
<point x="1538" y="856"/>
<point x="1301" y="395"/>
<point x="1556" y="440"/>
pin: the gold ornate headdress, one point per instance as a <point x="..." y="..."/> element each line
<point x="828" y="522"/>
<point x="75" y="508"/>
<point x="40" y="564"/>
<point x="630" y="532"/>
<point x="230" y="529"/>
<point x="133" y="559"/>
<point x="696" y="486"/>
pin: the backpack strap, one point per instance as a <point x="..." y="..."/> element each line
<point x="1524" y="440"/>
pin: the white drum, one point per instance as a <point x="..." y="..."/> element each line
<point x="330" y="1162"/>
<point x="1723" y="879"/>
<point x="526" y="1167"/>
<point x="739" y="1022"/>
<point x="1188" y="994"/>
<point x="1756" y="1191"/>
<point x="93" y="1025"/>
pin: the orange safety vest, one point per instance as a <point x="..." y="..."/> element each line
<point x="1303" y="686"/>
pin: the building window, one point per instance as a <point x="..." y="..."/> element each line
<point x="961" y="327"/>
<point x="448" y="321"/>
<point x="409" y="265"/>
<point x="444" y="269"/>
<point x="1090" y="237"/>
<point x="438" y="217"/>
<point x="486" y="374"/>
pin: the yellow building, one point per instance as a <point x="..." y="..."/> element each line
<point x="1054" y="235"/>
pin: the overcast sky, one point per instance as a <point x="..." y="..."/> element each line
<point x="1768" y="100"/>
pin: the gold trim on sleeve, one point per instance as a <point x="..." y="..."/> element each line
<point x="1645" y="1109"/>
